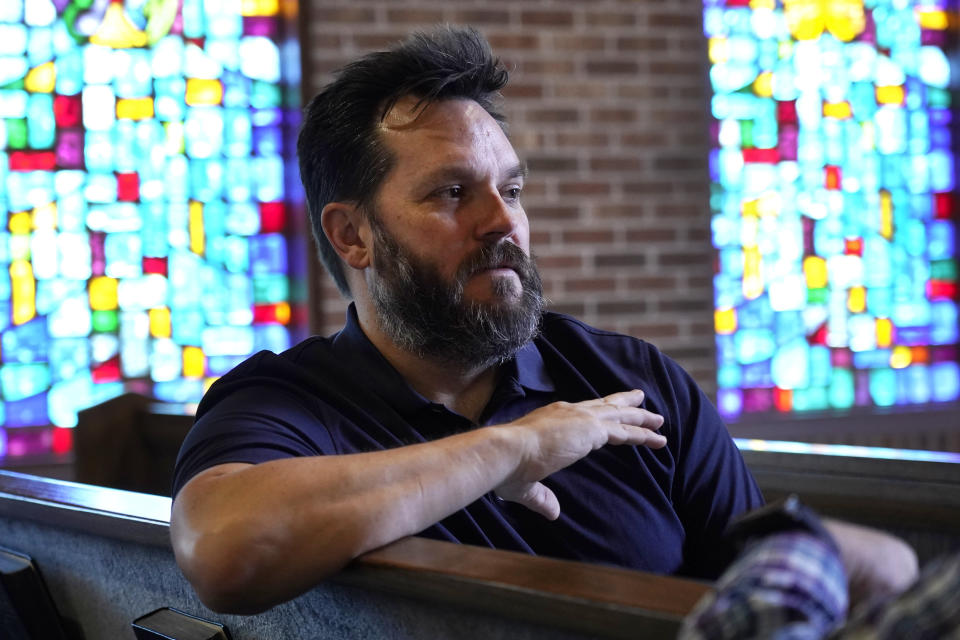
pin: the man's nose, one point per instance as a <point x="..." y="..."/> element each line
<point x="497" y="218"/>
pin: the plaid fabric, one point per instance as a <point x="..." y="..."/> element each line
<point x="789" y="586"/>
<point x="928" y="610"/>
<point x="792" y="586"/>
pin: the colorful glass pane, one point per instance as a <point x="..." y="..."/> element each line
<point x="144" y="167"/>
<point x="833" y="203"/>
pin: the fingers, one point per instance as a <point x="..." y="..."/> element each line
<point x="631" y="398"/>
<point x="624" y="407"/>
<point x="639" y="436"/>
<point x="637" y="426"/>
<point x="635" y="416"/>
<point x="534" y="496"/>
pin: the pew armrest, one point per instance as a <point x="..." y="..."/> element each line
<point x="576" y="597"/>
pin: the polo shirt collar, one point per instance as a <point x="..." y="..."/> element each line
<point x="527" y="368"/>
<point x="376" y="373"/>
<point x="531" y="371"/>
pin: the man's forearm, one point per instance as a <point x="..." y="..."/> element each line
<point x="248" y="537"/>
<point x="256" y="535"/>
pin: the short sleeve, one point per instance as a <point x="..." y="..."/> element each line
<point x="712" y="484"/>
<point x="251" y="419"/>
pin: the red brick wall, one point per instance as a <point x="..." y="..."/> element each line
<point x="607" y="102"/>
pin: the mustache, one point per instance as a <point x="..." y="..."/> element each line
<point x="500" y="255"/>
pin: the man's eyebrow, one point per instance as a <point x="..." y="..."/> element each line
<point x="459" y="174"/>
<point x="520" y="170"/>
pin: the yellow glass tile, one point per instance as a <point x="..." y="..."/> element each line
<point x="45" y="216"/>
<point x="725" y="321"/>
<point x="23" y="291"/>
<point x="845" y="19"/>
<point x="41" y="79"/>
<point x="763" y="4"/>
<point x="283" y="313"/>
<point x="815" y="270"/>
<point x="857" y="299"/>
<point x="194" y="362"/>
<point x="160" y="326"/>
<point x="752" y="276"/>
<point x="103" y="293"/>
<point x="750" y="208"/>
<point x="763" y="84"/>
<point x="932" y="19"/>
<point x="259" y="7"/>
<point x="890" y="94"/>
<point x="901" y="357"/>
<point x="134" y="108"/>
<point x="197" y="240"/>
<point x="886" y="214"/>
<point x="807" y="19"/>
<point x="838" y="110"/>
<point x="884" y="332"/>
<point x="804" y="18"/>
<point x="717" y="50"/>
<point x="117" y="31"/>
<point x="201" y="91"/>
<point x="21" y="222"/>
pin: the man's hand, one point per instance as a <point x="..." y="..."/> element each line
<point x="559" y="434"/>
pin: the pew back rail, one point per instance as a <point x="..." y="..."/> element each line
<point x="105" y="554"/>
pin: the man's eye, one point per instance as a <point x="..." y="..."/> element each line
<point x="455" y="192"/>
<point x="513" y="193"/>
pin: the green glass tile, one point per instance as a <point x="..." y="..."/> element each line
<point x="271" y="288"/>
<point x="746" y="133"/>
<point x="264" y="95"/>
<point x="818" y="296"/>
<point x="938" y="98"/>
<point x="943" y="270"/>
<point x="105" y="321"/>
<point x="17" y="133"/>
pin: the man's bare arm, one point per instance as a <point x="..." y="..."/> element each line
<point x="878" y="564"/>
<point x="251" y="536"/>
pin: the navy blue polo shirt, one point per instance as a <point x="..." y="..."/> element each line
<point x="658" y="510"/>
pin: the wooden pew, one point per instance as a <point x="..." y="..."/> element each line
<point x="106" y="558"/>
<point x="130" y="442"/>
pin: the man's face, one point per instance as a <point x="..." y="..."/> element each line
<point x="454" y="187"/>
<point x="451" y="275"/>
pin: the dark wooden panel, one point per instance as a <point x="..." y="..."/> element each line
<point x="930" y="427"/>
<point x="130" y="442"/>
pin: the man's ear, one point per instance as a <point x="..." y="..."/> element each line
<point x="346" y="227"/>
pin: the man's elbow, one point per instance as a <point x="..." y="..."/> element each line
<point x="224" y="577"/>
<point x="242" y="576"/>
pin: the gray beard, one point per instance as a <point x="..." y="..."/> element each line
<point x="428" y="317"/>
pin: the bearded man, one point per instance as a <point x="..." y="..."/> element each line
<point x="451" y="405"/>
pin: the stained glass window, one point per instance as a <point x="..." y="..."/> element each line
<point x="833" y="202"/>
<point x="145" y="182"/>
